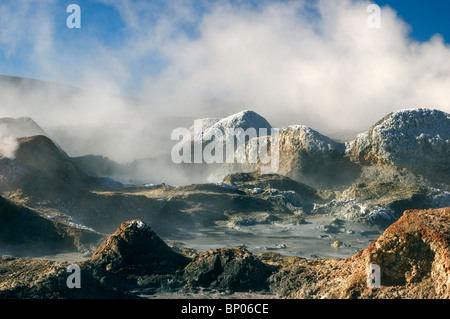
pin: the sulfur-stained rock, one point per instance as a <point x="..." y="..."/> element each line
<point x="413" y="255"/>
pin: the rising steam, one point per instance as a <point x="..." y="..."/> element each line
<point x="314" y="63"/>
<point x="8" y="144"/>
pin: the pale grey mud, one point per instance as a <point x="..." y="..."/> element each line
<point x="319" y="237"/>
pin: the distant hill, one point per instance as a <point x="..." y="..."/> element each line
<point x="39" y="152"/>
<point x="25" y="232"/>
<point x="27" y="85"/>
<point x="20" y="127"/>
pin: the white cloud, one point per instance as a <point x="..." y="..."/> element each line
<point x="333" y="71"/>
<point x="294" y="62"/>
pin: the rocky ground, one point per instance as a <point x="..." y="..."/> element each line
<point x="413" y="255"/>
<point x="26" y="232"/>
<point x="302" y="233"/>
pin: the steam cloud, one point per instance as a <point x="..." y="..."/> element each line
<point x="8" y="144"/>
<point x="294" y="62"/>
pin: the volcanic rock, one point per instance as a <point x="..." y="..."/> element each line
<point x="307" y="155"/>
<point x="304" y="155"/>
<point x="269" y="181"/>
<point x="413" y="255"/>
<point x="403" y="146"/>
<point x="378" y="202"/>
<point x="415" y="139"/>
<point x="244" y="120"/>
<point x="234" y="269"/>
<point x="135" y="248"/>
<point x="26" y="233"/>
<point x="42" y="154"/>
<point x="44" y="279"/>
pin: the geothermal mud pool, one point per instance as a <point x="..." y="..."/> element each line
<point x="319" y="237"/>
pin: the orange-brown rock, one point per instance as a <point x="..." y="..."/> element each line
<point x="413" y="255"/>
<point x="135" y="248"/>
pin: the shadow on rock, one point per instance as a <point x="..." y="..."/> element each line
<point x="234" y="269"/>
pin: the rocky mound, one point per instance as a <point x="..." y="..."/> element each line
<point x="416" y="139"/>
<point x="135" y="253"/>
<point x="413" y="255"/>
<point x="238" y="128"/>
<point x="304" y="155"/>
<point x="40" y="153"/>
<point x="234" y="269"/>
<point x="24" y="232"/>
<point x="244" y="120"/>
<point x="379" y="202"/>
<point x="44" y="279"/>
<point x="300" y="137"/>
<point x="43" y="177"/>
<point x="270" y="181"/>
<point x="416" y="249"/>
<point x="135" y="248"/>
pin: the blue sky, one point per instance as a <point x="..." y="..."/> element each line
<point x="278" y="57"/>
<point x="426" y="18"/>
<point x="104" y="23"/>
